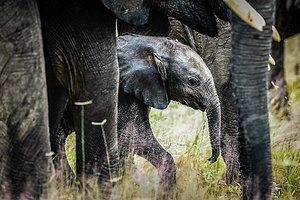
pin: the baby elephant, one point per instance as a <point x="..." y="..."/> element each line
<point x="153" y="71"/>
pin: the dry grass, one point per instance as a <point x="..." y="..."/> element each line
<point x="183" y="132"/>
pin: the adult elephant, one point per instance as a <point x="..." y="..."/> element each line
<point x="24" y="132"/>
<point x="238" y="132"/>
<point x="70" y="29"/>
<point x="80" y="40"/>
<point x="24" y="129"/>
<point x="74" y="32"/>
<point x="216" y="51"/>
<point x="153" y="71"/>
<point x="287" y="23"/>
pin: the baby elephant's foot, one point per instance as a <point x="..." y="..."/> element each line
<point x="140" y="177"/>
<point x="167" y="174"/>
<point x="167" y="185"/>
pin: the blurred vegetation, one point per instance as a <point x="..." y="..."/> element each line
<point x="183" y="132"/>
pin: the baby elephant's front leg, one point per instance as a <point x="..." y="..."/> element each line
<point x="149" y="148"/>
<point x="135" y="136"/>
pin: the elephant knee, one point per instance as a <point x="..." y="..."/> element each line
<point x="168" y="162"/>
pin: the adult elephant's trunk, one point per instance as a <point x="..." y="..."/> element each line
<point x="251" y="49"/>
<point x="213" y="110"/>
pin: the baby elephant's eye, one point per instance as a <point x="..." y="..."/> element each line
<point x="194" y="82"/>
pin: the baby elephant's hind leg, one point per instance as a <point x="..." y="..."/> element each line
<point x="150" y="149"/>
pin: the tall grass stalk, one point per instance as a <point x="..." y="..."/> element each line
<point x="101" y="124"/>
<point x="196" y="177"/>
<point x="82" y="104"/>
<point x="49" y="171"/>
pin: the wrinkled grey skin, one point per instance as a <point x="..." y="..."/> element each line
<point x="236" y="140"/>
<point x="256" y="173"/>
<point x="24" y="138"/>
<point x="216" y="53"/>
<point x="70" y="29"/>
<point x="250" y="83"/>
<point x="233" y="148"/>
<point x="153" y="71"/>
<point x="73" y="31"/>
<point x="190" y="17"/>
<point x="84" y="60"/>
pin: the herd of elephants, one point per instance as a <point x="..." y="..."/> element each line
<point x="63" y="69"/>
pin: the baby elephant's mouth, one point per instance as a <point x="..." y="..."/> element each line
<point x="201" y="107"/>
<point x="198" y="106"/>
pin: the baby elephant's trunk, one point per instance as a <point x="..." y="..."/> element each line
<point x="214" y="126"/>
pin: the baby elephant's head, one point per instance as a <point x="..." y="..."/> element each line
<point x="156" y="70"/>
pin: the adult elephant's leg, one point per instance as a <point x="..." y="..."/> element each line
<point x="101" y="89"/>
<point x="57" y="101"/>
<point x="81" y="38"/>
<point x="24" y="134"/>
<point x="97" y="149"/>
<point x="250" y="82"/>
<point x="278" y="96"/>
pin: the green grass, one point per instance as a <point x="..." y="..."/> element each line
<point x="286" y="171"/>
<point x="285" y="137"/>
<point x="183" y="132"/>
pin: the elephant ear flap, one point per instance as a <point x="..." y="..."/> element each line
<point x="146" y="84"/>
<point x="133" y="12"/>
<point x="161" y="68"/>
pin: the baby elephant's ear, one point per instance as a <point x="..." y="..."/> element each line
<point x="145" y="83"/>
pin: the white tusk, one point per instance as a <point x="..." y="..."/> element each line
<point x="269" y="67"/>
<point x="116" y="28"/>
<point x="271" y="60"/>
<point x="247" y="13"/>
<point x="275" y="34"/>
